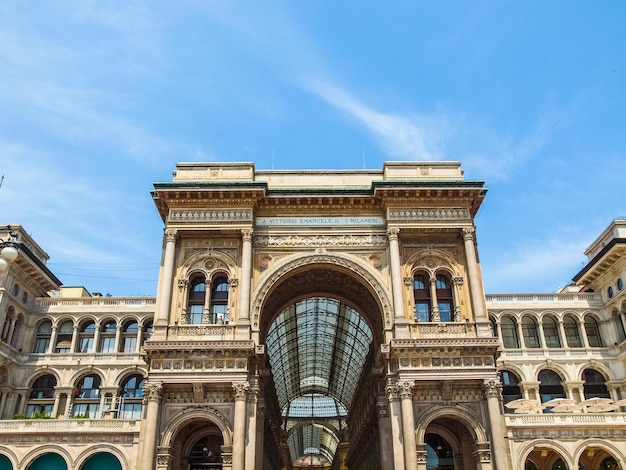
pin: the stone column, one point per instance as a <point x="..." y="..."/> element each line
<point x="395" y="415"/>
<point x="475" y="284"/>
<point x="239" y="428"/>
<point x="253" y="396"/>
<point x="457" y="282"/>
<point x="434" y="309"/>
<point x="384" y="435"/>
<point x="151" y="400"/>
<point x="493" y="392"/>
<point x="564" y="344"/>
<point x="118" y="336"/>
<point x="405" y="391"/>
<point x="167" y="277"/>
<point x="3" y="398"/>
<point x="74" y="339"/>
<point x="396" y="284"/>
<point x="246" y="275"/>
<point x="206" y="308"/>
<point x="542" y="334"/>
<point x="260" y="434"/>
<point x="53" y="340"/>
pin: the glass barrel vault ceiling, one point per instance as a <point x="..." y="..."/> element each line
<point x="317" y="348"/>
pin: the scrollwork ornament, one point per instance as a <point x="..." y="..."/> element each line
<point x="240" y="390"/>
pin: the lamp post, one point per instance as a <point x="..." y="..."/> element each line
<point x="8" y="249"/>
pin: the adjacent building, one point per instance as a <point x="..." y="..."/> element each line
<point x="325" y="319"/>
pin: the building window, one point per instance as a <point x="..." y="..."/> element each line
<point x="9" y="319"/>
<point x="531" y="335"/>
<point x="219" y="300"/>
<point x="129" y="337"/>
<point x="196" y="300"/>
<point x="620" y="284"/>
<point x="85" y="336"/>
<point x="24" y="297"/>
<point x="594" y="384"/>
<point x="42" y="340"/>
<point x="107" y="337"/>
<point x="510" y="388"/>
<point x="87" y="397"/>
<point x="572" y="332"/>
<point x="551" y="332"/>
<point x="550" y="386"/>
<point x="421" y="294"/>
<point x="64" y="338"/>
<point x="593" y="332"/>
<point x="444" y="297"/>
<point x="131" y="398"/>
<point x="508" y="328"/>
<point x="41" y="398"/>
<point x="610" y="292"/>
<point x="148" y="326"/>
<point x="16" y="290"/>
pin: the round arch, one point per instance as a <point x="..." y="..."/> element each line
<point x="434" y="261"/>
<point x="459" y="413"/>
<point x="189" y="415"/>
<point x="604" y="445"/>
<point x="9" y="458"/>
<point x="555" y="446"/>
<point x="339" y="275"/>
<point x="102" y="448"/>
<point x="37" y="452"/>
<point x="208" y="263"/>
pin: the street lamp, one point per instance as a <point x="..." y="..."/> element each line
<point x="8" y="249"/>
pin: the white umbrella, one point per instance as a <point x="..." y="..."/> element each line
<point x="596" y="401"/>
<point x="620" y="402"/>
<point x="520" y="403"/>
<point x="602" y="408"/>
<point x="529" y="409"/>
<point x="558" y="402"/>
<point x="567" y="408"/>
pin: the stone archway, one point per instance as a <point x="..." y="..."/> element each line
<point x="356" y="309"/>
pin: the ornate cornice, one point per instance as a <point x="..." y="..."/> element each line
<point x="211" y="216"/>
<point x="268" y="241"/>
<point x="428" y="213"/>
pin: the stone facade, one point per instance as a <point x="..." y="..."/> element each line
<point x="334" y="318"/>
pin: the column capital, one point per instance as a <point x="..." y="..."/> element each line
<point x="405" y="389"/>
<point x="152" y="391"/>
<point x="240" y="390"/>
<point x="392" y="392"/>
<point x="183" y="283"/>
<point x="253" y="393"/>
<point x="468" y="233"/>
<point x="392" y="233"/>
<point x="492" y="387"/>
<point x="170" y="234"/>
<point x="382" y="409"/>
<point x="457" y="280"/>
<point x="246" y="234"/>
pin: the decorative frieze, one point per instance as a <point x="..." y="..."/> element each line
<point x="428" y="213"/>
<point x="214" y="216"/>
<point x="293" y="241"/>
<point x="199" y="365"/>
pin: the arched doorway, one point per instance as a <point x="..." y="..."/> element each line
<point x="321" y="323"/>
<point x="198" y="444"/>
<point x="102" y="460"/>
<point x="451" y="443"/>
<point x="595" y="457"/>
<point x="49" y="461"/>
<point x="545" y="458"/>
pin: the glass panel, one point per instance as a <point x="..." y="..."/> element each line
<point x="509" y="333"/>
<point x="592" y="331"/>
<point x="529" y="330"/>
<point x="572" y="333"/>
<point x="551" y="333"/>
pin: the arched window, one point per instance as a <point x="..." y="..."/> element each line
<point x="85" y="336"/>
<point x="594" y="384"/>
<point x="510" y="388"/>
<point x="551" y="332"/>
<point x="129" y="337"/>
<point x="6" y="327"/>
<point x="195" y="302"/>
<point x="42" y="340"/>
<point x="529" y="330"/>
<point x="148" y="326"/>
<point x="421" y="294"/>
<point x="550" y="386"/>
<point x="41" y="399"/>
<point x="572" y="332"/>
<point x="593" y="332"/>
<point x="87" y="397"/>
<point x="219" y="300"/>
<point x="131" y="397"/>
<point x="107" y="336"/>
<point x="508" y="327"/>
<point x="619" y="326"/>
<point x="444" y="297"/>
<point x="64" y="337"/>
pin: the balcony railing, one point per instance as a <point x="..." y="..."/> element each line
<point x="566" y="298"/>
<point x="80" y="425"/>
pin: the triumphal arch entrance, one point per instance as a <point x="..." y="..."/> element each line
<point x="326" y="319"/>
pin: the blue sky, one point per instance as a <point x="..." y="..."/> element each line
<point x="98" y="100"/>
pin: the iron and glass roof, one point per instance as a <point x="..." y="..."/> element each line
<point x="317" y="348"/>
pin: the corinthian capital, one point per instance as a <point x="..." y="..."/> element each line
<point x="468" y="233"/>
<point x="152" y="391"/>
<point x="405" y="389"/>
<point x="492" y="387"/>
<point x="392" y="233"/>
<point x="170" y="234"/>
<point x="240" y="390"/>
<point x="246" y="234"/>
